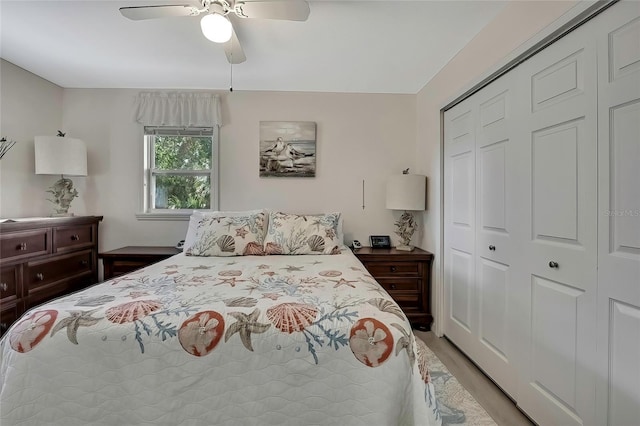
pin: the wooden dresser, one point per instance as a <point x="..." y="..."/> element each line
<point x="44" y="258"/>
<point x="406" y="275"/>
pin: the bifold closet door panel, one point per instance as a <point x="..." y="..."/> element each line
<point x="496" y="297"/>
<point x="459" y="226"/>
<point x="560" y="129"/>
<point x="618" y="391"/>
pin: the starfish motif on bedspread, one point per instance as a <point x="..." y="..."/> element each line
<point x="316" y="262"/>
<point x="73" y="322"/>
<point x="171" y="267"/>
<point x="170" y="272"/>
<point x="196" y="268"/>
<point x="342" y="281"/>
<point x="119" y="280"/>
<point x="246" y="325"/>
<point x="241" y="232"/>
<point x="290" y="268"/>
<point x="270" y="273"/>
<point x="263" y="266"/>
<point x="231" y="281"/>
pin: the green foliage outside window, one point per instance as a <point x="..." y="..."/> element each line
<point x="176" y="154"/>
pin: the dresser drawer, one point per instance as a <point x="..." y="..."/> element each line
<point x="393" y="269"/>
<point x="16" y="245"/>
<point x="8" y="314"/>
<point x="67" y="238"/>
<point x="41" y="273"/>
<point x="9" y="276"/>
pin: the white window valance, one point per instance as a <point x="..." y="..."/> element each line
<point x="182" y="109"/>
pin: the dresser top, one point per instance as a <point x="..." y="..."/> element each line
<point x="17" y="224"/>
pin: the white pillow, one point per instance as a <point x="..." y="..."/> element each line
<point x="197" y="216"/>
<point x="302" y="234"/>
<point x="220" y="235"/>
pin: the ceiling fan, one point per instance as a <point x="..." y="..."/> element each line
<point x="215" y="24"/>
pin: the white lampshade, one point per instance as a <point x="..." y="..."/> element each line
<point x="216" y="28"/>
<point x="60" y="156"/>
<point x="407" y="192"/>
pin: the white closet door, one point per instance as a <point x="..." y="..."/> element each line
<point x="560" y="127"/>
<point x="619" y="215"/>
<point x="496" y="221"/>
<point x="459" y="273"/>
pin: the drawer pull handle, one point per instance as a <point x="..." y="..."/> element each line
<point x="4" y="286"/>
<point x="84" y="262"/>
<point x="553" y="264"/>
<point x="3" y="326"/>
<point x="75" y="237"/>
<point x="40" y="276"/>
<point x="393" y="286"/>
<point x="22" y="246"/>
<point x="393" y="268"/>
<point x="492" y="248"/>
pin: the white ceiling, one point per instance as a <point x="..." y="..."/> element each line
<point x="344" y="46"/>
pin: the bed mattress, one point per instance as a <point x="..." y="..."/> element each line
<point x="268" y="340"/>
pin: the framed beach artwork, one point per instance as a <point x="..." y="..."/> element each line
<point x="287" y="149"/>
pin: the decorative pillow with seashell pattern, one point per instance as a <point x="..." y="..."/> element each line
<point x="229" y="236"/>
<point x="302" y="234"/>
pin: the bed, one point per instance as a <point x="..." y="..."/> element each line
<point x="253" y="339"/>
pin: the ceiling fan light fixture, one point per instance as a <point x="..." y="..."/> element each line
<point x="216" y="27"/>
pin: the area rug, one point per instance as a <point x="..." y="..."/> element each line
<point x="457" y="406"/>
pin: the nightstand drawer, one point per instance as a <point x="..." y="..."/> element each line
<point x="126" y="259"/>
<point x="120" y="267"/>
<point x="72" y="237"/>
<point x="39" y="274"/>
<point x="399" y="284"/>
<point x="24" y="244"/>
<point x="393" y="269"/>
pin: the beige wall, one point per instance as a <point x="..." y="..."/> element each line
<point x="515" y="25"/>
<point x="29" y="106"/>
<point x="359" y="136"/>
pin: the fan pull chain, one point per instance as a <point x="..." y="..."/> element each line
<point x="231" y="78"/>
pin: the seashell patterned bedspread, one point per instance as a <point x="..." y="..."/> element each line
<point x="264" y="340"/>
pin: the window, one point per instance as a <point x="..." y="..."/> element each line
<point x="180" y="171"/>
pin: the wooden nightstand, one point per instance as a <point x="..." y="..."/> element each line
<point x="127" y="259"/>
<point x="406" y="275"/>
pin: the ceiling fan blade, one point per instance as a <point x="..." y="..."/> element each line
<point x="290" y="10"/>
<point x="233" y="50"/>
<point x="138" y="13"/>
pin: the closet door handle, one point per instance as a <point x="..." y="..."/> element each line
<point x="492" y="248"/>
<point x="553" y="264"/>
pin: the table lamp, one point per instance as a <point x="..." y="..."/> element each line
<point x="406" y="192"/>
<point x="59" y="155"/>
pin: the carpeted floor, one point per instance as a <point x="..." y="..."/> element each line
<point x="456" y="404"/>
